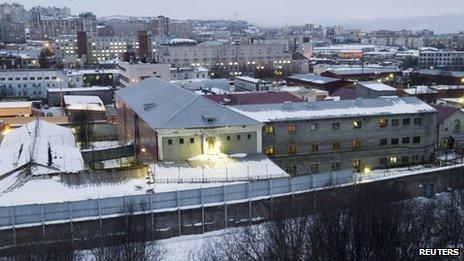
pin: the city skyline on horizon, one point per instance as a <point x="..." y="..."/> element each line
<point x="325" y="13"/>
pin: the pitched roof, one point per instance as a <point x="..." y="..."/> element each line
<point x="334" y="109"/>
<point x="165" y="106"/>
<point x="253" y="98"/>
<point x="443" y="112"/>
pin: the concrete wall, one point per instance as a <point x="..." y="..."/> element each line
<point x="369" y="135"/>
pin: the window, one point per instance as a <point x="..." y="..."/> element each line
<point x="357" y="124"/>
<point x="383" y="123"/>
<point x="457" y="126"/>
<point x="181" y="141"/>
<point x="336" y="146"/>
<point x="395" y="122"/>
<point x="169" y="142"/>
<point x="249" y="136"/>
<point x="405" y="140"/>
<point x="192" y="140"/>
<point x="270" y="151"/>
<point x="239" y="137"/>
<point x="336" y="165"/>
<point x="356" y="164"/>
<point x="383" y="142"/>
<point x="269" y="129"/>
<point x="415" y="158"/>
<point x="393" y="160"/>
<point x="228" y="137"/>
<point x="292" y="128"/>
<point x="357" y="144"/>
<point x="292" y="149"/>
<point x="405" y="160"/>
<point x="382" y="161"/>
<point x="314" y="168"/>
<point x="394" y="141"/>
<point x="407" y="121"/>
<point x="314" y="147"/>
<point x="336" y="125"/>
<point x="418" y="121"/>
<point x="416" y="140"/>
<point x="314" y="127"/>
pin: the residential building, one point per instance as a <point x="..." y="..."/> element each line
<point x="162" y="26"/>
<point x="169" y="123"/>
<point x="304" y="93"/>
<point x="13" y="22"/>
<point x="134" y="72"/>
<point x="31" y="84"/>
<point x="431" y="58"/>
<point x="84" y="108"/>
<point x="317" y="82"/>
<point x="450" y="128"/>
<point x="369" y="90"/>
<point x="362" y="134"/>
<point x="189" y="73"/>
<point x="245" y="83"/>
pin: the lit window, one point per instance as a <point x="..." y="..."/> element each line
<point x="269" y="129"/>
<point x="270" y="151"/>
<point x="383" y="123"/>
<point x="356" y="164"/>
<point x="292" y="149"/>
<point x="292" y="128"/>
<point x="393" y="160"/>
<point x="356" y="124"/>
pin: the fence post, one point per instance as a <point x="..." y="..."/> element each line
<point x="225" y="205"/>
<point x="100" y="220"/>
<point x="151" y="217"/>
<point x="71" y="223"/>
<point x="43" y="223"/>
<point x="13" y="221"/>
<point x="202" y="210"/>
<point x="178" y="212"/>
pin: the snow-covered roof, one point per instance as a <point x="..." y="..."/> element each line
<point x="80" y="89"/>
<point x="251" y="79"/>
<point x="376" y="86"/>
<point x="82" y="102"/>
<point x="166" y="106"/>
<point x="49" y="148"/>
<point x="8" y="105"/>
<point x="421" y="89"/>
<point x="313" y="78"/>
<point x="334" y="109"/>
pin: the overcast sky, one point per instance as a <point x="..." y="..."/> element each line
<point x="261" y="12"/>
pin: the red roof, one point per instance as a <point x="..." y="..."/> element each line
<point x="443" y="112"/>
<point x="253" y="98"/>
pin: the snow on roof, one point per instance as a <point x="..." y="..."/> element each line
<point x="376" y="86"/>
<point x="82" y="102"/>
<point x="32" y="143"/>
<point x="334" y="109"/>
<point x="80" y="89"/>
<point x="6" y="105"/>
<point x="358" y="70"/>
<point x="251" y="79"/>
<point x="166" y="106"/>
<point x="313" y="78"/>
<point x="421" y="89"/>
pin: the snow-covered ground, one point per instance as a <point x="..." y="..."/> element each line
<point x="221" y="167"/>
<point x="106" y="144"/>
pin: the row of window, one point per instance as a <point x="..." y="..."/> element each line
<point x="357" y="164"/>
<point x="192" y="140"/>
<point x="356" y="144"/>
<point x="292" y="128"/>
<point x="28" y="78"/>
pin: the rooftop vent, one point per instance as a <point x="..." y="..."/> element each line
<point x="209" y="118"/>
<point x="148" y="106"/>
